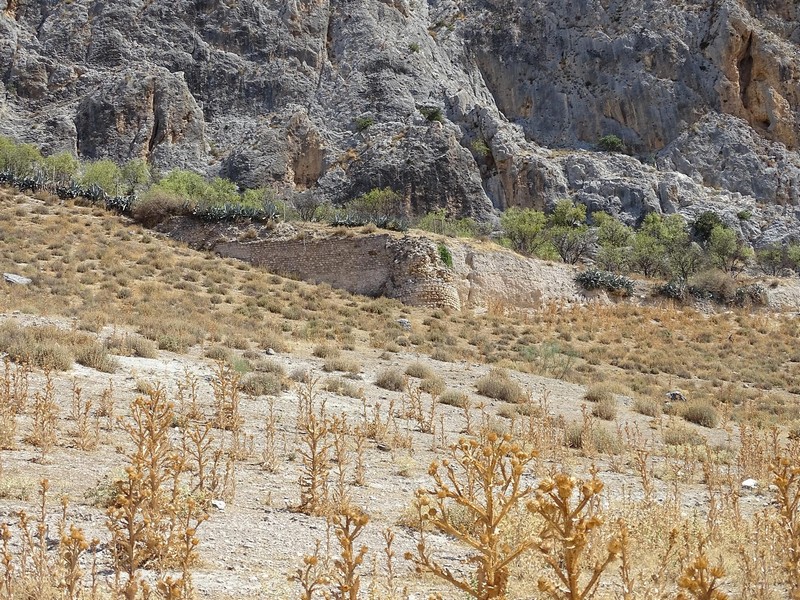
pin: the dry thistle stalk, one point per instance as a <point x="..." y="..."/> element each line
<point x="71" y="547"/>
<point x="188" y="389"/>
<point x="348" y="524"/>
<point x="786" y="478"/>
<point x="315" y="447"/>
<point x="312" y="576"/>
<point x="360" y="474"/>
<point x="45" y="417"/>
<point x="485" y="480"/>
<point x="106" y="405"/>
<point x="566" y="536"/>
<point x="700" y="580"/>
<point x="14" y="384"/>
<point x="226" y="397"/>
<point x="269" y="456"/>
<point x="198" y="441"/>
<point x="340" y="429"/>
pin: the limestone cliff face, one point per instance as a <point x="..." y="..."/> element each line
<point x="332" y="95"/>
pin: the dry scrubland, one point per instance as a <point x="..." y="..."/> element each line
<point x="138" y="395"/>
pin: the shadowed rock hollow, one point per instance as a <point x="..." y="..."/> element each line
<point x="332" y="95"/>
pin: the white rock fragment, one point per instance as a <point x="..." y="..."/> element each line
<point x="218" y="504"/>
<point x="18" y="279"/>
<point x="749" y="484"/>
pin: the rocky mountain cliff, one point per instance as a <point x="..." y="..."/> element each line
<point x="342" y="96"/>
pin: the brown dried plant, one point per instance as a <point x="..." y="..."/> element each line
<point x="348" y="525"/>
<point x="568" y="508"/>
<point x="13" y="399"/>
<point x="152" y="522"/>
<point x="484" y="479"/>
<point x="226" y="397"/>
<point x="700" y="580"/>
<point x="45" y="417"/>
<point x="786" y="478"/>
<point x="269" y="455"/>
<point x="315" y="448"/>
<point x="313" y="575"/>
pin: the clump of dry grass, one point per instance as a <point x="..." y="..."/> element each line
<point x="453" y="398"/>
<point x="647" y="406"/>
<point x="681" y="435"/>
<point x="598" y="393"/>
<point x="341" y="363"/>
<point x="96" y="357"/>
<point x="262" y="384"/>
<point x="343" y="387"/>
<point x="498" y="384"/>
<point x="606" y="408"/>
<point x="420" y="370"/>
<point x="700" y="413"/>
<point x="391" y="379"/>
<point x="131" y="345"/>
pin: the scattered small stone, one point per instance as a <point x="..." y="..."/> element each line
<point x="749" y="484"/>
<point x="18" y="279"/>
<point x="218" y="504"/>
<point x="404" y="324"/>
<point x="383" y="447"/>
<point x="271" y="352"/>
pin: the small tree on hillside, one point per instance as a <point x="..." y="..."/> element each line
<point x="569" y="233"/>
<point x="727" y="251"/>
<point x="524" y="228"/>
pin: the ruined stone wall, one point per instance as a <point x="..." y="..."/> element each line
<point x="406" y="267"/>
<point x="360" y="265"/>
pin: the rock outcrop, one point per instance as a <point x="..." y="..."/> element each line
<point x="469" y="105"/>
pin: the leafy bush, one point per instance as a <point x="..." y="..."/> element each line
<point x="704" y="224"/>
<point x="432" y="113"/>
<point x="454" y="398"/>
<point x="339" y="363"/>
<point x="674" y="290"/>
<point x="499" y="385"/>
<point x="713" y="285"/>
<point x="618" y="285"/>
<point x="364" y="123"/>
<point x="525" y="230"/>
<point x="157" y="205"/>
<point x="383" y="207"/>
<point x="104" y="174"/>
<point x="681" y="435"/>
<point x="437" y="221"/>
<point x="446" y="256"/>
<point x="96" y="357"/>
<point x="611" y="143"/>
<point x="433" y="385"/>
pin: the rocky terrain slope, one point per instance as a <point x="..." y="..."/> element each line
<point x="471" y="105"/>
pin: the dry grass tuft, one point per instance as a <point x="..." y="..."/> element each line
<point x="391" y="379"/>
<point x="499" y="385"/>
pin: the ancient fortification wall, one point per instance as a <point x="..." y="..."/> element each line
<point x="406" y="267"/>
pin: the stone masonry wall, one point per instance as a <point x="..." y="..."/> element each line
<point x="406" y="267"/>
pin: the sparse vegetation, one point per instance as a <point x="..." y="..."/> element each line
<point x="194" y="439"/>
